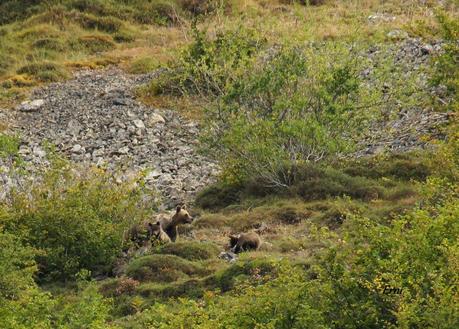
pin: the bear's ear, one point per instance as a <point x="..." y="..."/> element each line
<point x="150" y="224"/>
<point x="179" y="208"/>
<point x="158" y="223"/>
<point x="184" y="207"/>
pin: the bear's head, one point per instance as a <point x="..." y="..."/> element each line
<point x="182" y="216"/>
<point x="233" y="240"/>
<point x="154" y="229"/>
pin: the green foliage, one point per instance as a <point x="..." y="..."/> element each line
<point x="76" y="221"/>
<point x="162" y="268"/>
<point x="44" y="71"/>
<point x="138" y="11"/>
<point x="143" y="65"/>
<point x="296" y="106"/>
<point x="94" y="43"/>
<point x="345" y="288"/>
<point x="89" y="310"/>
<point x="218" y="196"/>
<point x="193" y="250"/>
<point x="207" y="66"/>
<point x="447" y="63"/>
<point x="9" y="146"/>
<point x="17" y="266"/>
<point x="315" y="182"/>
<point x="405" y="166"/>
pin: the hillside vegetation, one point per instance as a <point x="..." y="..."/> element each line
<point x="291" y="98"/>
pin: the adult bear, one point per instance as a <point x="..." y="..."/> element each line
<point x="169" y="225"/>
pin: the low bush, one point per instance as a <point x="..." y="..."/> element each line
<point x="315" y="182"/>
<point x="76" y="221"/>
<point x="49" y="43"/>
<point x="408" y="166"/>
<point x="105" y="24"/>
<point x="191" y="288"/>
<point x="162" y="268"/>
<point x="194" y="250"/>
<point x="44" y="71"/>
<point x="9" y="145"/>
<point x="207" y="66"/>
<point x="94" y="43"/>
<point x="218" y="196"/>
<point x="143" y="65"/>
<point x="262" y="268"/>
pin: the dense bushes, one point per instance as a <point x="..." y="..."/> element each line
<point x="207" y="67"/>
<point x="447" y="64"/>
<point x="75" y="222"/>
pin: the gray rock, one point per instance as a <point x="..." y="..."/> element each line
<point x="154" y="119"/>
<point x="139" y="124"/>
<point x="397" y="34"/>
<point x="31" y="106"/>
<point x="229" y="256"/>
<point x="38" y="151"/>
<point x="124" y="150"/>
<point x="77" y="148"/>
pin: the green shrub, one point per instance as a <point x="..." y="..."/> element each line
<point x="218" y="196"/>
<point x="9" y="145"/>
<point x="105" y="24"/>
<point x="76" y="221"/>
<point x="409" y="166"/>
<point x="294" y="107"/>
<point x="143" y="65"/>
<point x="89" y="310"/>
<point x="94" y="43"/>
<point x="226" y="279"/>
<point x="164" y="268"/>
<point x="207" y="66"/>
<point x="49" y="43"/>
<point x="45" y="71"/>
<point x="447" y="63"/>
<point x="190" y="250"/>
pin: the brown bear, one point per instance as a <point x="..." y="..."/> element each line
<point x="244" y="242"/>
<point x="157" y="233"/>
<point x="169" y="225"/>
<point x="141" y="234"/>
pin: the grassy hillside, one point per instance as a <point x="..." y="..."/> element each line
<point x="285" y="93"/>
<point x="43" y="41"/>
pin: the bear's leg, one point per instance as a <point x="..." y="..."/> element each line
<point x="172" y="233"/>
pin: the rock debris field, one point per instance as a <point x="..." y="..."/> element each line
<point x="95" y="119"/>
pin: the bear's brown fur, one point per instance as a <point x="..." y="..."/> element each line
<point x="169" y="225"/>
<point x="244" y="242"/>
<point x="157" y="233"/>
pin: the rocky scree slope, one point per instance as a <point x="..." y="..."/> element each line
<point x="94" y="119"/>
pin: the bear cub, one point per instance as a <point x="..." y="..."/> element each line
<point x="157" y="233"/>
<point x="244" y="242"/>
